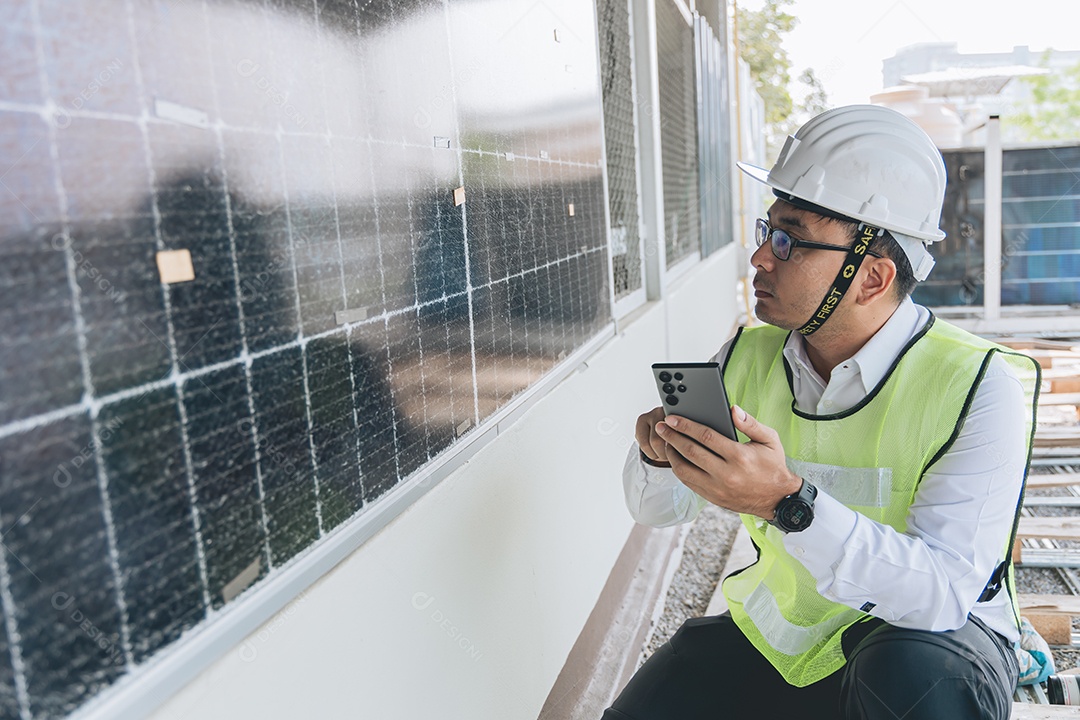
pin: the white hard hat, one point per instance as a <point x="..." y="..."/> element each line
<point x="867" y="163"/>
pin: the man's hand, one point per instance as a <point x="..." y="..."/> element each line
<point x="745" y="477"/>
<point x="645" y="433"/>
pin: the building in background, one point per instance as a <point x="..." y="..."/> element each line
<point x="1005" y="198"/>
<point x="964" y="87"/>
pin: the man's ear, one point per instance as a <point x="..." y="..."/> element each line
<point x="878" y="277"/>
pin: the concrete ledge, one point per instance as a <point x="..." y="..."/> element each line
<point x="1022" y="711"/>
<point x="606" y="652"/>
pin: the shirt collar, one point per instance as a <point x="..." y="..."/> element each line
<point x="873" y="360"/>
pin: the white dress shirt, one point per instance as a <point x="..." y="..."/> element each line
<point x="930" y="577"/>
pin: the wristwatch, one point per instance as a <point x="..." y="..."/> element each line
<point x="796" y="511"/>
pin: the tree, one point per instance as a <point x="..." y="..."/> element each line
<point x="761" y="34"/>
<point x="816" y="100"/>
<point x="1054" y="113"/>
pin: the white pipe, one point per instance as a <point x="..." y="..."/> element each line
<point x="992" y="221"/>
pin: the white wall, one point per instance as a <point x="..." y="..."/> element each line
<point x="468" y="603"/>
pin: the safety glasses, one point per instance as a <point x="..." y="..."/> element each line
<point x="782" y="244"/>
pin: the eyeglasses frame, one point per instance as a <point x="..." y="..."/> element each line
<point x="795" y="242"/>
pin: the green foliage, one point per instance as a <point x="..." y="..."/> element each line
<point x="1054" y="113"/>
<point x="761" y="34"/>
<point x="817" y="100"/>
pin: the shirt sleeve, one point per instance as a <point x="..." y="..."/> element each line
<point x="930" y="577"/>
<point x="654" y="496"/>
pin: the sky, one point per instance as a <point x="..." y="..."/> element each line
<point x="845" y="42"/>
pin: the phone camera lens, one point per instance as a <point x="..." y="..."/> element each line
<point x="672" y="400"/>
<point x="665" y="376"/>
<point x="682" y="388"/>
<point x="669" y="388"/>
<point x="678" y="376"/>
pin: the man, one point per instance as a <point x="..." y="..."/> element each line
<point x="881" y="470"/>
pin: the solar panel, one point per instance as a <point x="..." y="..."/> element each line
<point x="262" y="263"/>
<point x="678" y="132"/>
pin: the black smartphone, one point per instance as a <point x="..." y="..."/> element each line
<point x="695" y="391"/>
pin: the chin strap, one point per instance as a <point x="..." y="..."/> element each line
<point x="840" y="285"/>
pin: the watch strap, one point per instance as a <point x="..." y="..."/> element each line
<point x="805" y="497"/>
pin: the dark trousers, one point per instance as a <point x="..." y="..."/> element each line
<point x="708" y="669"/>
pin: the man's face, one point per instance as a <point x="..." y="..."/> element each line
<point x="789" y="291"/>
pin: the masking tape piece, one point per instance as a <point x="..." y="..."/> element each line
<point x="459" y="196"/>
<point x="570" y="207"/>
<point x="544" y="155"/>
<point x="462" y="427"/>
<point x="344" y="317"/>
<point x="174" y="266"/>
<point x="510" y="157"/>
<point x="557" y="35"/>
<point x="180" y="113"/>
<point x="442" y="142"/>
<point x="241" y="582"/>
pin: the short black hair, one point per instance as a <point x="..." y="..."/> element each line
<point x="886" y="246"/>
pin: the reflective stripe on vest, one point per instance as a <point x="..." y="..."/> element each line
<point x="862" y="487"/>
<point x="785" y="636"/>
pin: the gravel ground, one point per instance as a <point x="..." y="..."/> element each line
<point x="704" y="554"/>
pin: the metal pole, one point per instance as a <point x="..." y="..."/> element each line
<point x="652" y="178"/>
<point x="746" y="252"/>
<point x="992" y="221"/>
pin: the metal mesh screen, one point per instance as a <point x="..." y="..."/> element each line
<point x="714" y="140"/>
<point x="678" y="131"/>
<point x="618" y="95"/>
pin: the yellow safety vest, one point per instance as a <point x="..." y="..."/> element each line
<point x="870" y="457"/>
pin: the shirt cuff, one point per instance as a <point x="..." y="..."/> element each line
<point x="820" y="546"/>
<point x="653" y="463"/>
<point x="658" y="475"/>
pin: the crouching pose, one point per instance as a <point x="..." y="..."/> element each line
<point x="882" y="465"/>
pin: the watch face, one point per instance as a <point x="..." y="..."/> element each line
<point x="795" y="516"/>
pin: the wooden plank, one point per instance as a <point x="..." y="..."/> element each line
<point x="1056" y="353"/>
<point x="1049" y="604"/>
<point x="1035" y="344"/>
<point x="1054" y="528"/>
<point x="1030" y="711"/>
<point x="1058" y="437"/>
<point x="1051" y="480"/>
<point x="1051" y="398"/>
<point x="1039" y="501"/>
<point x="1063" y="379"/>
<point x="1062" y="373"/>
<point x="1054" y="359"/>
<point x="1064" y="385"/>
<point x="1055" y="457"/>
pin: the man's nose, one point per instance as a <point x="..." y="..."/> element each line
<point x="763" y="258"/>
